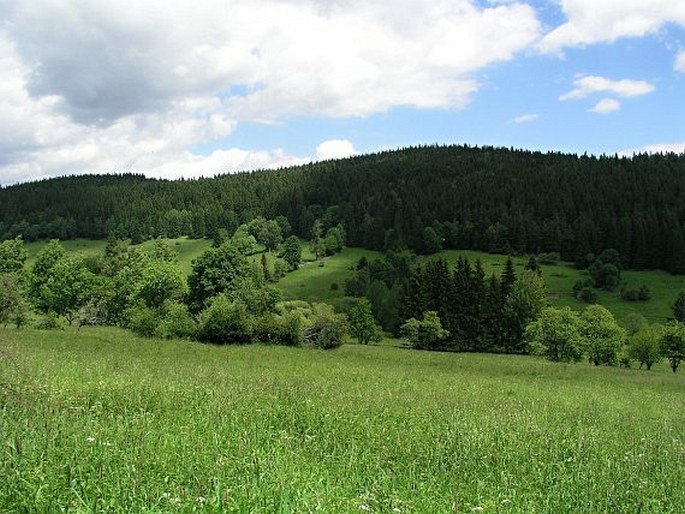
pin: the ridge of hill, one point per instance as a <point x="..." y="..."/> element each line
<point x="490" y="199"/>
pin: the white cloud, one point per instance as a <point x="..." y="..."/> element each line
<point x="335" y="149"/>
<point x="526" y="118"/>
<point x="100" y="85"/>
<point x="606" y="105"/>
<point x="587" y="85"/>
<point x="680" y="61"/>
<point x="604" y="21"/>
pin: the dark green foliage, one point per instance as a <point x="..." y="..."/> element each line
<point x="292" y="252"/>
<point x="678" y="307"/>
<point x="673" y="343"/>
<point x="642" y="294"/>
<point x="432" y="242"/>
<point x="475" y="198"/>
<point x="224" y="322"/>
<point x="582" y="291"/>
<point x="284" y="329"/>
<point x="50" y="321"/>
<point x="218" y="270"/>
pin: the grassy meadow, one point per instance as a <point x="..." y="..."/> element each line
<point x="102" y="421"/>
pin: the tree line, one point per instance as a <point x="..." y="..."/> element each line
<point x="424" y="199"/>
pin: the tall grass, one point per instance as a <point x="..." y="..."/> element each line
<point x="101" y="421"/>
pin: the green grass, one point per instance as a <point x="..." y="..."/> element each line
<point x="101" y="421"/>
<point x="312" y="282"/>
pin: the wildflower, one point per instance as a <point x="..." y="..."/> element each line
<point x="90" y="439"/>
<point x="200" y="500"/>
<point x="477" y="509"/>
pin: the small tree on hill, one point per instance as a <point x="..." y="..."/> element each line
<point x="673" y="343"/>
<point x="362" y="324"/>
<point x="292" y="252"/>
<point x="556" y="335"/>
<point x="678" y="307"/>
<point x="603" y="337"/>
<point x="645" y="346"/>
<point x="425" y="334"/>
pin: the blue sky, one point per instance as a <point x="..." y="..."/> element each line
<point x="172" y="89"/>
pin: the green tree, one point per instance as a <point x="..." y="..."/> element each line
<point x="523" y="304"/>
<point x="292" y="252"/>
<point x="603" y="337"/>
<point x="673" y="343"/>
<point x="224" y="322"/>
<point x="327" y="329"/>
<point x="270" y="235"/>
<point x="645" y="346"/>
<point x="678" y="307"/>
<point x="317" y="243"/>
<point x="362" y="324"/>
<point x="12" y="303"/>
<point x="432" y="242"/>
<point x="216" y="271"/>
<point x="41" y="273"/>
<point x="68" y="287"/>
<point x="160" y="282"/>
<point x="425" y="334"/>
<point x="555" y="335"/>
<point x="13" y="255"/>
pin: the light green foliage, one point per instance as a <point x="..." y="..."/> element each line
<point x="243" y="241"/>
<point x="68" y="286"/>
<point x="172" y="426"/>
<point x="224" y="322"/>
<point x="160" y="282"/>
<point x="12" y="304"/>
<point x="317" y="245"/>
<point x="673" y="343"/>
<point x="177" y="322"/>
<point x="42" y="272"/>
<point x="645" y="345"/>
<point x="362" y="324"/>
<point x="284" y="328"/>
<point x="633" y="322"/>
<point x="523" y="304"/>
<point x="13" y="255"/>
<point x="555" y="335"/>
<point x="143" y="321"/>
<point x="334" y="240"/>
<point x="426" y="333"/>
<point x="326" y="330"/>
<point x="162" y="251"/>
<point x="270" y="235"/>
<point x="292" y="252"/>
<point x="603" y="336"/>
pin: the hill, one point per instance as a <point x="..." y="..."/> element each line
<point x="488" y="199"/>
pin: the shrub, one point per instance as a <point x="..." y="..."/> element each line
<point x="49" y="321"/>
<point x="549" y="258"/>
<point x="645" y="346"/>
<point x="283" y="329"/>
<point x="224" y="322"/>
<point x="143" y="321"/>
<point x="177" y="323"/>
<point x="636" y="295"/>
<point x="327" y="329"/>
<point x="555" y="335"/>
<point x="334" y="286"/>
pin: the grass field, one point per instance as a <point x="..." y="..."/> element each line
<point x="101" y="421"/>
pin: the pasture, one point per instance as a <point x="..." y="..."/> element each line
<point x="102" y="421"/>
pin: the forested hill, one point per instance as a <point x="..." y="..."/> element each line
<point x="491" y="199"/>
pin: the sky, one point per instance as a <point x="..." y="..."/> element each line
<point x="185" y="89"/>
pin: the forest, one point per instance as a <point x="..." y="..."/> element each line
<point x="423" y="199"/>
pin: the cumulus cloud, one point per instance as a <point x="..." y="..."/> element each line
<point x="679" y="64"/>
<point x="592" y="21"/>
<point x="335" y="149"/>
<point x="586" y="85"/>
<point x="526" y="118"/>
<point x="100" y="85"/>
<point x="606" y="105"/>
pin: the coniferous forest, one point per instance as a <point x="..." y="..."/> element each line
<point x="426" y="198"/>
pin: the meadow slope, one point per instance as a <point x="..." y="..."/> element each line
<point x="102" y="421"/>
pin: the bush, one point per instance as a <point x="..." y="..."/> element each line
<point x="177" y="323"/>
<point x="328" y="329"/>
<point x="224" y="322"/>
<point x="636" y="295"/>
<point x="283" y="329"/>
<point x="334" y="286"/>
<point x="143" y="321"/>
<point x="49" y="321"/>
<point x="587" y="295"/>
<point x="549" y="258"/>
